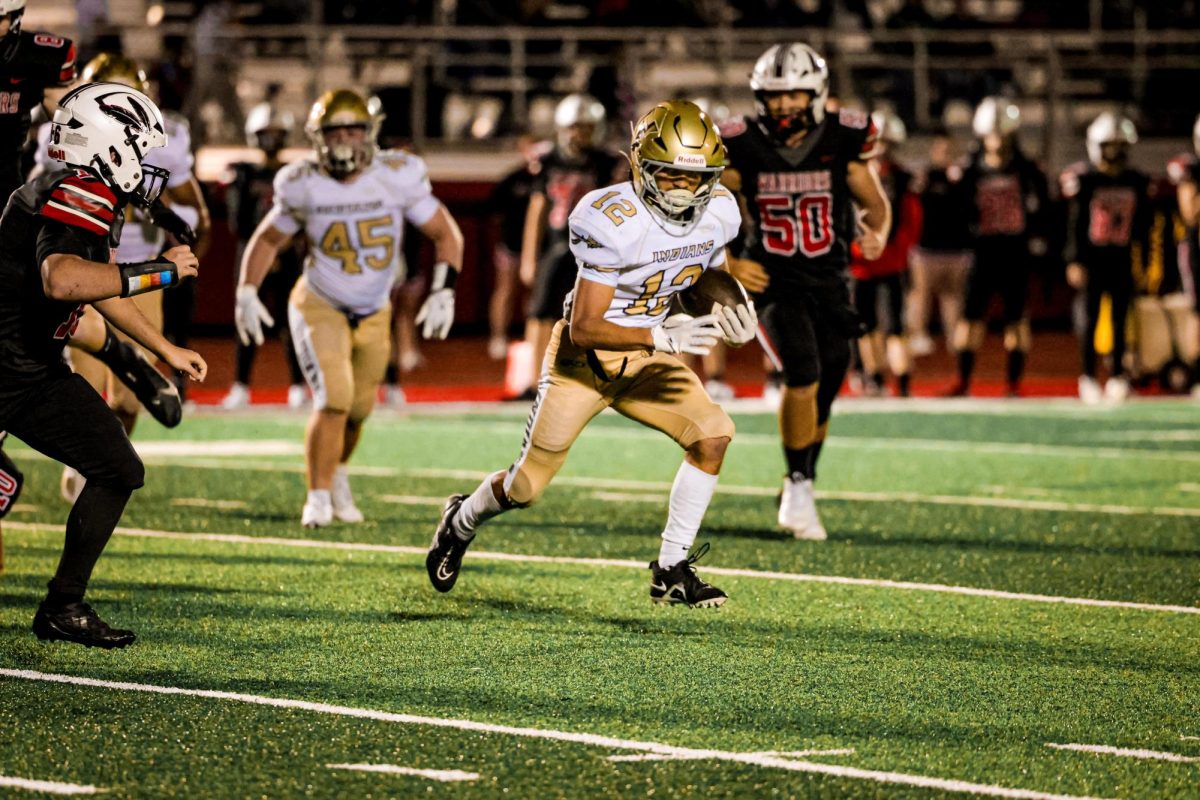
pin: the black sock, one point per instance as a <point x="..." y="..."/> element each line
<point x="966" y="366"/>
<point x="392" y="376"/>
<point x="89" y="526"/>
<point x="905" y="383"/>
<point x="1016" y="367"/>
<point x="244" y="358"/>
<point x="877" y="379"/>
<point x="56" y="599"/>
<point x="814" y="453"/>
<point x="799" y="462"/>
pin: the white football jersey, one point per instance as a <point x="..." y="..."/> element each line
<point x="617" y="242"/>
<point x="141" y="240"/>
<point x="354" y="229"/>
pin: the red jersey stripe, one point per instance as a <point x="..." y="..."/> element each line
<point x="72" y="217"/>
<point x="74" y="199"/>
<point x="92" y="186"/>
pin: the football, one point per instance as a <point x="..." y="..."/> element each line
<point x="713" y="286"/>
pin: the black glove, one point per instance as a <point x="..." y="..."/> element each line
<point x="172" y="223"/>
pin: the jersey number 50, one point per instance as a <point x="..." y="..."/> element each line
<point x="790" y="223"/>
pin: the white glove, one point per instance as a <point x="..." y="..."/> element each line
<point x="249" y="314"/>
<point x="739" y="324"/>
<point x="437" y="314"/>
<point x="681" y="333"/>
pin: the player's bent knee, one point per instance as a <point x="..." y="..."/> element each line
<point x="709" y="452"/>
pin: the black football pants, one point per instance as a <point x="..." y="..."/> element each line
<point x="64" y="418"/>
<point x="1114" y="278"/>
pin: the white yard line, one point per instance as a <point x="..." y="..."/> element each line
<point x="25" y="508"/>
<point x="776" y="753"/>
<point x="162" y="448"/>
<point x="205" y="502"/>
<point x="629" y="497"/>
<point x="590" y="739"/>
<point x="1188" y="487"/>
<point x="411" y="499"/>
<point x="484" y="555"/>
<point x="46" y="787"/>
<point x="444" y="775"/>
<point x="1189" y="738"/>
<point x="1107" y="750"/>
<point x="1152" y="435"/>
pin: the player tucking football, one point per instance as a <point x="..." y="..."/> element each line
<point x="637" y="244"/>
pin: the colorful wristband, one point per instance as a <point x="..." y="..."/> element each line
<point x="147" y="276"/>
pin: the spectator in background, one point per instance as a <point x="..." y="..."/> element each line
<point x="1108" y="215"/>
<point x="1184" y="172"/>
<point x="1009" y="199"/>
<point x="885" y="275"/>
<point x="509" y="202"/>
<point x="942" y="257"/>
<point x="249" y="195"/>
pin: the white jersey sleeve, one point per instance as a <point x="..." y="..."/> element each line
<point x="408" y="177"/>
<point x="595" y="246"/>
<point x="724" y="208"/>
<point x="289" y="211"/>
<point x="176" y="157"/>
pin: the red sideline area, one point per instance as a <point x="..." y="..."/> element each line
<point x="459" y="370"/>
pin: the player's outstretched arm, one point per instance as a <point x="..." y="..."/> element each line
<point x="123" y="313"/>
<point x="249" y="313"/>
<point x="589" y="328"/>
<point x="73" y="279"/>
<point x="877" y="211"/>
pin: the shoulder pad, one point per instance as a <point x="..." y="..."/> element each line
<point x="82" y="201"/>
<point x="53" y="55"/>
<point x="394" y="159"/>
<point x="734" y="126"/>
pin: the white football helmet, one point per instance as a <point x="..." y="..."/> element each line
<point x="1109" y="128"/>
<point x="108" y="129"/>
<point x="891" y="128"/>
<point x="1196" y="136"/>
<point x="17" y="9"/>
<point x="578" y="109"/>
<point x="264" y="119"/>
<point x="997" y="115"/>
<point x="790" y="68"/>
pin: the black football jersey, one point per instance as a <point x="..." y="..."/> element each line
<point x="30" y="63"/>
<point x="510" y="201"/>
<point x="250" y="196"/>
<point x="1106" y="214"/>
<point x="1007" y="203"/>
<point x="802" y="218"/>
<point x="946" y="209"/>
<point x="64" y="211"/>
<point x="564" y="183"/>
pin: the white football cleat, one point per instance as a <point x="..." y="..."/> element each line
<point x="342" y="498"/>
<point x="1116" y="390"/>
<point x="394" y="396"/>
<point x="238" y="397"/>
<point x="318" y="509"/>
<point x="719" y="391"/>
<point x="71" y="485"/>
<point x="297" y="398"/>
<point x="798" y="510"/>
<point x="1089" y="391"/>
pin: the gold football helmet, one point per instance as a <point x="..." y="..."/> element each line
<point x="676" y="135"/>
<point x="343" y="108"/>
<point x="114" y="68"/>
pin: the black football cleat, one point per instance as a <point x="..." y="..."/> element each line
<point x="157" y="394"/>
<point x="79" y="624"/>
<point x="447" y="550"/>
<point x="679" y="584"/>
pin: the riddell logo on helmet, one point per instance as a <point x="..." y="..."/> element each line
<point x="56" y="154"/>
<point x="690" y="160"/>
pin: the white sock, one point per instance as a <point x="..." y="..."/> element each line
<point x="477" y="509"/>
<point x="690" y="496"/>
<point x="319" y="497"/>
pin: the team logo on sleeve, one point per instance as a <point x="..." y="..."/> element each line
<point x="591" y="243"/>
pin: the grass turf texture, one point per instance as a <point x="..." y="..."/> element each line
<point x="929" y="684"/>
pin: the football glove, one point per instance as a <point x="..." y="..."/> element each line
<point x="437" y="312"/>
<point x="163" y="217"/>
<point x="681" y="333"/>
<point x="738" y="324"/>
<point x="249" y="314"/>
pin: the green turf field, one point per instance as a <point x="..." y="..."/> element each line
<point x="998" y="579"/>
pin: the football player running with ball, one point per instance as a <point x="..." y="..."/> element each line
<point x="351" y="203"/>
<point x="637" y="244"/>
<point x="797" y="170"/>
